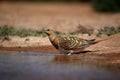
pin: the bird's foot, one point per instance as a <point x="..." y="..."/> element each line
<point x="67" y="52"/>
<point x="70" y="53"/>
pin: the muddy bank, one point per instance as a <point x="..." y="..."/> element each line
<point x="47" y="48"/>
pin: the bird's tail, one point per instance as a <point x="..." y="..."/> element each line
<point x="93" y="41"/>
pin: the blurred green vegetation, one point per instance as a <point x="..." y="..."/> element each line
<point x="6" y="31"/>
<point x="106" y="5"/>
<point x="10" y="31"/>
<point x="108" y="30"/>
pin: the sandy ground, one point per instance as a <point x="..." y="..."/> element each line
<point x="62" y="17"/>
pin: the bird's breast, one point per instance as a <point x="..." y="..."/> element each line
<point x="55" y="42"/>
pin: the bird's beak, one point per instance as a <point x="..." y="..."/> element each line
<point x="46" y="31"/>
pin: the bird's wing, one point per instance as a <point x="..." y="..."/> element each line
<point x="73" y="42"/>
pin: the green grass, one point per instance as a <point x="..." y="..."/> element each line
<point x="10" y="31"/>
<point x="108" y="30"/>
<point x="6" y="31"/>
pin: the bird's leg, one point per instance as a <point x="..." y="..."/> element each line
<point x="63" y="51"/>
<point x="70" y="52"/>
<point x="66" y="52"/>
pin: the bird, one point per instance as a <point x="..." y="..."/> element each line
<point x="68" y="44"/>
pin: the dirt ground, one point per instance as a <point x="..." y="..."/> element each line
<point x="58" y="16"/>
<point x="61" y="17"/>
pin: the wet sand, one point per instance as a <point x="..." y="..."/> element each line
<point x="46" y="48"/>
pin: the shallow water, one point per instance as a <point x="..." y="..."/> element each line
<point x="47" y="66"/>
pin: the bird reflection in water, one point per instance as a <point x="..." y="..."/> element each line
<point x="87" y="60"/>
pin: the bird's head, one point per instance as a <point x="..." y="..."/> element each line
<point x="49" y="32"/>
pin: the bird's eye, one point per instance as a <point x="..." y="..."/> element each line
<point x="48" y="29"/>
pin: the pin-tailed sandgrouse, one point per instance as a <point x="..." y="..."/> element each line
<point x="68" y="44"/>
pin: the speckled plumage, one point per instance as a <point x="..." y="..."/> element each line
<point x="67" y="44"/>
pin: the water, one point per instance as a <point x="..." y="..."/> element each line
<point x="47" y="66"/>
